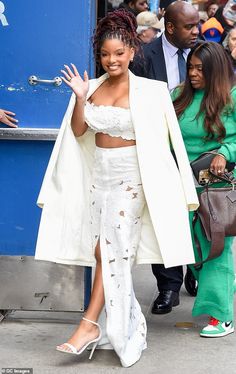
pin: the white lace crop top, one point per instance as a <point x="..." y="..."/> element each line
<point x="111" y="120"/>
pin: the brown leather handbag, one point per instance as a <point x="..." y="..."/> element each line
<point x="217" y="213"/>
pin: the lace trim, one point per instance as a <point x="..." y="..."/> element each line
<point x="111" y="120"/>
<point x="107" y="106"/>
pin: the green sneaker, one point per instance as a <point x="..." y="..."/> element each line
<point x="216" y="328"/>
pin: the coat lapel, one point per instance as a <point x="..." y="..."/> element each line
<point x="158" y="61"/>
<point x="95" y="83"/>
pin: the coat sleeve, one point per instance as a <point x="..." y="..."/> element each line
<point x="54" y="156"/>
<point x="46" y="185"/>
<point x="180" y="152"/>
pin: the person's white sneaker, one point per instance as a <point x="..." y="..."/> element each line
<point x="216" y="328"/>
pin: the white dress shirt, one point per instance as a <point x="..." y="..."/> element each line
<point x="171" y="60"/>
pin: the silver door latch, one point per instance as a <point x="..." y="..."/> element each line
<point x="33" y="80"/>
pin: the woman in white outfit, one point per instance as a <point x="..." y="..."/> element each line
<point x="112" y="206"/>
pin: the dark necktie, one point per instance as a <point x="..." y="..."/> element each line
<point x="181" y="65"/>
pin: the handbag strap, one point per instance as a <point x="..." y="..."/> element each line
<point x="199" y="264"/>
<point x="217" y="236"/>
<point x="226" y="177"/>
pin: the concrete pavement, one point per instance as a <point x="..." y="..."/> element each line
<point x="28" y="340"/>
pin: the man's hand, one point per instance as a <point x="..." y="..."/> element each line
<point x="160" y="13"/>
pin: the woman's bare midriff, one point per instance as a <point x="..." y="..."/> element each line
<point x="107" y="141"/>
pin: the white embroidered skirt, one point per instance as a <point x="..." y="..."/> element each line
<point x="116" y="203"/>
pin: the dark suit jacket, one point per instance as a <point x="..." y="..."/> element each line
<point x="152" y="65"/>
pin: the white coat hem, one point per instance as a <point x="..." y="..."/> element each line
<point x="67" y="262"/>
<point x="148" y="261"/>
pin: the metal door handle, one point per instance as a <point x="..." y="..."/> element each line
<point x="33" y="80"/>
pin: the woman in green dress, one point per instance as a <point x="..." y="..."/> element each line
<point x="206" y="108"/>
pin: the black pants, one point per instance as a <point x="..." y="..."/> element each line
<point x="168" y="279"/>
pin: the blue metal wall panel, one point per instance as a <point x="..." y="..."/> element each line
<point x="40" y="37"/>
<point x="22" y="168"/>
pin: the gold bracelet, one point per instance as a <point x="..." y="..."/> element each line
<point x="220" y="154"/>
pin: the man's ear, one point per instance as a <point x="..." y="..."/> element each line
<point x="170" y="28"/>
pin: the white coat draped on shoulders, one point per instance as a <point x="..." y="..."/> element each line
<point x="64" y="234"/>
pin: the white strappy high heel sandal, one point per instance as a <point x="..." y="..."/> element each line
<point x="93" y="342"/>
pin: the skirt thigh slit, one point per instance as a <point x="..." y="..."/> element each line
<point x="117" y="202"/>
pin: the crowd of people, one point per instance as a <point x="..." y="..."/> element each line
<point x="168" y="95"/>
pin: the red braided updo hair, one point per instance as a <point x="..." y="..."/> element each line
<point x="119" y="24"/>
